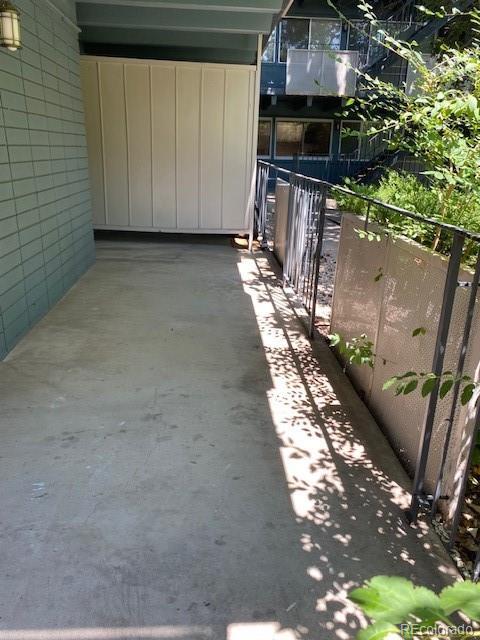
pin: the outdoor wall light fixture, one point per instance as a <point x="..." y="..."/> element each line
<point x="9" y="26"/>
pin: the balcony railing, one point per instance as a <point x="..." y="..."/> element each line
<point x="321" y="73"/>
<point x="299" y="228"/>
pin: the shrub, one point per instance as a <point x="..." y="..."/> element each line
<point x="399" y="609"/>
<point x="407" y="192"/>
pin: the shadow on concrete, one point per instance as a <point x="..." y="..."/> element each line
<point x="180" y="462"/>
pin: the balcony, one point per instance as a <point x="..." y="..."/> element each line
<point x="178" y="459"/>
<point x="312" y="73"/>
<point x="321" y="73"/>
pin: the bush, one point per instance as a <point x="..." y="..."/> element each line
<point x="399" y="609"/>
<point x="407" y="192"/>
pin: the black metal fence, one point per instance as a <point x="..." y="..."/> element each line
<point x="305" y="225"/>
<point x="304" y="239"/>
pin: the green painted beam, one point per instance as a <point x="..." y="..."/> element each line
<point x="185" y="54"/>
<point x="129" y="17"/>
<point x="179" y="39"/>
<point x="254" y="6"/>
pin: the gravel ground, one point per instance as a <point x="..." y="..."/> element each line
<point x="467" y="543"/>
<point x="327" y="272"/>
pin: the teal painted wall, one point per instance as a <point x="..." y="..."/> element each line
<point x="46" y="238"/>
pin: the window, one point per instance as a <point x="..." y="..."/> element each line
<point x="376" y="48"/>
<point x="358" y="36"/>
<point x="316" y="138"/>
<point x="289" y="138"/>
<point x="349" y="144"/>
<point x="295" y="34"/>
<point x="379" y="31"/>
<point x="269" y="53"/>
<point x="325" y="34"/>
<point x="303" y="33"/>
<point x="264" y="137"/>
<point x="303" y="138"/>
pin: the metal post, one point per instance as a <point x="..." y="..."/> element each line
<point x="253" y="221"/>
<point x="456" y="388"/>
<point x="311" y="245"/>
<point x="318" y="257"/>
<point x="308" y="239"/>
<point x="264" y="206"/>
<point x="437" y="368"/>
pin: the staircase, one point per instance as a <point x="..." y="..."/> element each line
<point x="419" y="30"/>
<point x="419" y="27"/>
<point x="374" y="170"/>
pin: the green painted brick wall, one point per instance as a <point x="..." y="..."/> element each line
<point x="46" y="238"/>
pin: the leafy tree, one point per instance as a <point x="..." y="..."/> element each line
<point x="459" y="33"/>
<point x="438" y="122"/>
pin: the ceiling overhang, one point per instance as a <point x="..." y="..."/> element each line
<point x="214" y="30"/>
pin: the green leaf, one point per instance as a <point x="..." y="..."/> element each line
<point x="393" y="599"/>
<point x="410" y="386"/>
<point x="428" y="385"/>
<point x="462" y="596"/>
<point x="419" y="331"/>
<point x="409" y="374"/>
<point x="334" y="339"/>
<point x="445" y="387"/>
<point x="389" y="383"/>
<point x="377" y="631"/>
<point x="467" y="393"/>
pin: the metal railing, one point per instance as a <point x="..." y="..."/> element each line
<point x="305" y="225"/>
<point x="305" y="232"/>
<point x="261" y="205"/>
<point x="331" y="169"/>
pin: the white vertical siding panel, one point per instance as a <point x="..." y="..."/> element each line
<point x="137" y="95"/>
<point x="115" y="143"/>
<point x="188" y="145"/>
<point x="248" y="156"/>
<point x="89" y="78"/>
<point x="164" y="147"/>
<point x="170" y="144"/>
<point x="235" y="148"/>
<point x="251" y="161"/>
<point x="211" y="155"/>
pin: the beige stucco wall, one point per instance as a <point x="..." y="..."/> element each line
<point x="407" y="296"/>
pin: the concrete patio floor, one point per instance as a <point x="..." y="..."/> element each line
<point x="177" y="462"/>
